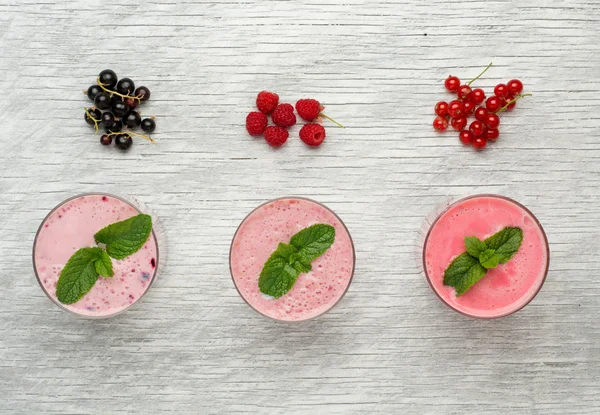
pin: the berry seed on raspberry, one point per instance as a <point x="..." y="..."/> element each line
<point x="276" y="136"/>
<point x="266" y="101"/>
<point x="284" y="116"/>
<point x="256" y="122"/>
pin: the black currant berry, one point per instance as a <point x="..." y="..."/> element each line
<point x="102" y="100"/>
<point x="132" y="119"/>
<point x="108" y="78"/>
<point x="123" y="141"/>
<point x="115" y="128"/>
<point x="106" y="139"/>
<point x="142" y="93"/>
<point x="148" y="125"/>
<point x="131" y="102"/>
<point x="125" y="86"/>
<point x="108" y="119"/>
<point x="119" y="108"/>
<point x="92" y="91"/>
<point x="95" y="113"/>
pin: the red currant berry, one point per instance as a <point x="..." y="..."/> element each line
<point x="466" y="137"/>
<point x="510" y="106"/>
<point x="515" y="86"/>
<point x="441" y="108"/>
<point x="478" y="96"/>
<point x="479" y="142"/>
<point x="492" y="134"/>
<point x="456" y="109"/>
<point x="469" y="107"/>
<point x="493" y="103"/>
<point x="464" y="91"/>
<point x="452" y="83"/>
<point x="477" y="128"/>
<point x="481" y="114"/>
<point x="501" y="91"/>
<point x="440" y="124"/>
<point x="459" y="123"/>
<point x="492" y="121"/>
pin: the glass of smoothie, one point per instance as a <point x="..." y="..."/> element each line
<point x="70" y="226"/>
<point x="314" y="293"/>
<point x="503" y="290"/>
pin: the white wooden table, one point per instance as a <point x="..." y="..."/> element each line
<point x="192" y="345"/>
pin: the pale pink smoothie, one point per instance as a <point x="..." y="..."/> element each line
<point x="315" y="292"/>
<point x="72" y="226"/>
<point x="505" y="289"/>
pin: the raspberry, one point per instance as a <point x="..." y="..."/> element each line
<point x="308" y="109"/>
<point x="267" y="101"/>
<point x="256" y="122"/>
<point x="284" y="116"/>
<point x="276" y="136"/>
<point x="312" y="134"/>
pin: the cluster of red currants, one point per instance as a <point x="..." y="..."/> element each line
<point x="473" y="102"/>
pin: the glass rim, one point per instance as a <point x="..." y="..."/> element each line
<point x="63" y="306"/>
<point x="497" y="196"/>
<point x="351" y="244"/>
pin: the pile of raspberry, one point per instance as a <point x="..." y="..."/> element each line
<point x="312" y="133"/>
<point x="487" y="121"/>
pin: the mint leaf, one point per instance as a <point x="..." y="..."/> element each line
<point x="489" y="259"/>
<point x="281" y="270"/>
<point x="463" y="272"/>
<point x="474" y="245"/>
<point x="506" y="243"/>
<point x="104" y="266"/>
<point x="78" y="276"/>
<point x="313" y="241"/>
<point x="277" y="276"/>
<point x="125" y="238"/>
<point x="286" y="251"/>
<point x="301" y="265"/>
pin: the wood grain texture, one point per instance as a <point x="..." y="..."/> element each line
<point x="390" y="347"/>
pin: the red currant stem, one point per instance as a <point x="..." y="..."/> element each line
<point x="479" y="76"/>
<point x="92" y="118"/>
<point x="509" y="103"/>
<point x="111" y="92"/>
<point x="132" y="134"/>
<point x="332" y="120"/>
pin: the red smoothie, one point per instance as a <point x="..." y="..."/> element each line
<point x="503" y="290"/>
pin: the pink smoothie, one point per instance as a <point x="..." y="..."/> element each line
<point x="504" y="289"/>
<point x="72" y="226"/>
<point x="277" y="221"/>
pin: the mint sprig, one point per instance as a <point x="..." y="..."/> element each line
<point x="81" y="271"/>
<point x="470" y="267"/>
<point x="288" y="261"/>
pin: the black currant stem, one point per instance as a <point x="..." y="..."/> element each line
<point x="132" y="134"/>
<point x="332" y="120"/>
<point x="479" y="76"/>
<point x="512" y="101"/>
<point x="111" y="92"/>
<point x="92" y="118"/>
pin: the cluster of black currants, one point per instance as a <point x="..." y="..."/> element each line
<point x="115" y="101"/>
